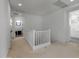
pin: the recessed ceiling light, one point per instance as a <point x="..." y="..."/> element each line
<point x="71" y="0"/>
<point x="20" y="4"/>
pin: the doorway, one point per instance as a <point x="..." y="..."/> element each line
<point x="18" y="33"/>
<point x="74" y="24"/>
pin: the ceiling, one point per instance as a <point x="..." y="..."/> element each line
<point x="38" y="7"/>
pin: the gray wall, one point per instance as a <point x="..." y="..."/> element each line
<point x="4" y="28"/>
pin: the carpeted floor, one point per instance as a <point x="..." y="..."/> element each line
<point x="21" y="49"/>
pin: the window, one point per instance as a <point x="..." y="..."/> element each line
<point x="18" y="23"/>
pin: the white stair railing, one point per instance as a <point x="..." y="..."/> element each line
<point x="39" y="39"/>
<point x="42" y="38"/>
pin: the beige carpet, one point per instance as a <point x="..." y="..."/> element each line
<point x="21" y="49"/>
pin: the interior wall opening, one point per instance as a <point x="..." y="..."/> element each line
<point x="19" y="28"/>
<point x="16" y="23"/>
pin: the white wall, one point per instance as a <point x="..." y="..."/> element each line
<point x="4" y="28"/>
<point x="31" y="22"/>
<point x="59" y="24"/>
<point x="29" y="37"/>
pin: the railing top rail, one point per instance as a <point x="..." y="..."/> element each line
<point x="41" y="30"/>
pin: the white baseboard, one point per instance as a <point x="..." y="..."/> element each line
<point x="41" y="46"/>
